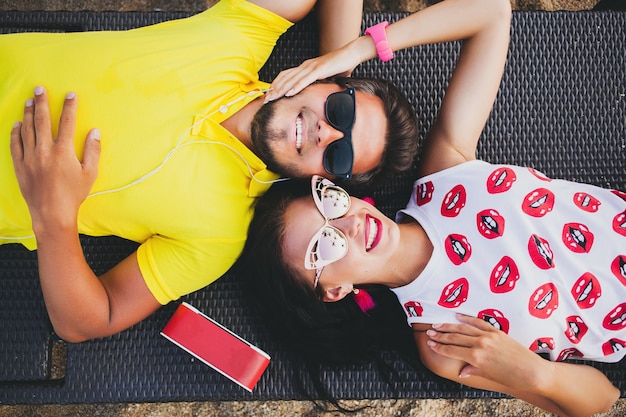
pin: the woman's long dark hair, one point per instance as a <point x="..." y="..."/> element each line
<point x="334" y="334"/>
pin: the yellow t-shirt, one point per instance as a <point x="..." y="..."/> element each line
<point x="170" y="177"/>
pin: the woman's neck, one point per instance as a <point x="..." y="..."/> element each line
<point x="414" y="254"/>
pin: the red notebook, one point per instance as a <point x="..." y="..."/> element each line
<point x="216" y="346"/>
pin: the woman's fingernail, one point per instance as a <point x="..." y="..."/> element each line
<point x="431" y="332"/>
<point x="29" y="102"/>
<point x="96" y="134"/>
<point x="39" y="90"/>
<point x="16" y="125"/>
<point x="436" y="325"/>
<point x="71" y="95"/>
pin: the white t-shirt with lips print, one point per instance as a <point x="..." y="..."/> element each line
<point x="543" y="260"/>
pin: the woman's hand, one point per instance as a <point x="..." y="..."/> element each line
<point x="53" y="181"/>
<point x="488" y="352"/>
<point x="291" y="81"/>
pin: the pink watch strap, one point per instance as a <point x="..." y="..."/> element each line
<point x="378" y="34"/>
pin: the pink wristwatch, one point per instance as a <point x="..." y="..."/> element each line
<point x="378" y="34"/>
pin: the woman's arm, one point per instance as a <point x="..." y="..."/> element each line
<point x="339" y="22"/>
<point x="447" y="21"/>
<point x="478" y="355"/>
<point x="54" y="183"/>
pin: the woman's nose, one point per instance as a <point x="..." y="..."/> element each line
<point x="348" y="224"/>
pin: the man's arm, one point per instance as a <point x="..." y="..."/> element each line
<point x="54" y="183"/>
<point x="478" y="355"/>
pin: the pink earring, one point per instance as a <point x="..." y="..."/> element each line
<point x="363" y="299"/>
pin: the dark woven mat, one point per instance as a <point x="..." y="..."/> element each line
<point x="561" y="109"/>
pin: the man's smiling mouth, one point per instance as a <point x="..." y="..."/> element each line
<point x="299" y="133"/>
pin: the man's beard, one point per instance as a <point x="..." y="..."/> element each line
<point x="263" y="136"/>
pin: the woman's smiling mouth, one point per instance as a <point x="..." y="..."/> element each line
<point x="373" y="229"/>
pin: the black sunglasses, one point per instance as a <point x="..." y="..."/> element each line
<point x="340" y="111"/>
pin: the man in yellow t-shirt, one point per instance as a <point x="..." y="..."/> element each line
<point x="177" y="167"/>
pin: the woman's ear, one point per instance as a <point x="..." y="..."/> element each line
<point x="337" y="293"/>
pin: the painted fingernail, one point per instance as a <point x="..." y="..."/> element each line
<point x="436" y="325"/>
<point x="29" y="102"/>
<point x="71" y="95"/>
<point x="431" y="332"/>
<point x="96" y="134"/>
<point x="431" y="343"/>
<point x="39" y="90"/>
<point x="16" y="125"/>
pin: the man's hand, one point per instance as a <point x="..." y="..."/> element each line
<point x="53" y="181"/>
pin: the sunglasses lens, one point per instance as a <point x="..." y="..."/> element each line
<point x="338" y="158"/>
<point x="340" y="110"/>
<point x="335" y="202"/>
<point x="331" y="245"/>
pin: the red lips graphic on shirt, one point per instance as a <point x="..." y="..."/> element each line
<point x="540" y="252"/>
<point x="586" y="202"/>
<point x="458" y="248"/>
<point x="501" y="180"/>
<point x="495" y="318"/>
<point x="538" y="202"/>
<point x="577" y="237"/>
<point x="539" y="175"/>
<point x="616" y="319"/>
<point x="613" y="345"/>
<point x="618" y="267"/>
<point x="414" y="309"/>
<point x="454" y="201"/>
<point x="576" y="328"/>
<point x="542" y="344"/>
<point x="544" y="301"/>
<point x="569" y="353"/>
<point x="619" y="223"/>
<point x="586" y="290"/>
<point x="424" y="193"/>
<point x="504" y="276"/>
<point x="490" y="223"/>
<point x="454" y="294"/>
<point x="620" y="194"/>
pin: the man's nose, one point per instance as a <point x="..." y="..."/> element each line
<point x="326" y="134"/>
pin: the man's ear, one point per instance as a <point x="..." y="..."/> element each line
<point x="337" y="293"/>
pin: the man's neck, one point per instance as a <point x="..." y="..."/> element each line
<point x="239" y="123"/>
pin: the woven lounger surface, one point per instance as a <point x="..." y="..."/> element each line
<point x="561" y="109"/>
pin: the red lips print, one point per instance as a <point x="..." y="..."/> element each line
<point x="618" y="267"/>
<point x="540" y="252"/>
<point x="542" y="344"/>
<point x="495" y="318"/>
<point x="586" y="202"/>
<point x="544" y="301"/>
<point x="501" y="180"/>
<point x="458" y="248"/>
<point x="454" y="294"/>
<point x="577" y="237"/>
<point x="616" y="319"/>
<point x="576" y="328"/>
<point x="613" y="345"/>
<point x="414" y="309"/>
<point x="538" y="202"/>
<point x="619" y="223"/>
<point x="490" y="223"/>
<point x="504" y="276"/>
<point x="586" y="290"/>
<point x="424" y="193"/>
<point x="454" y="201"/>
